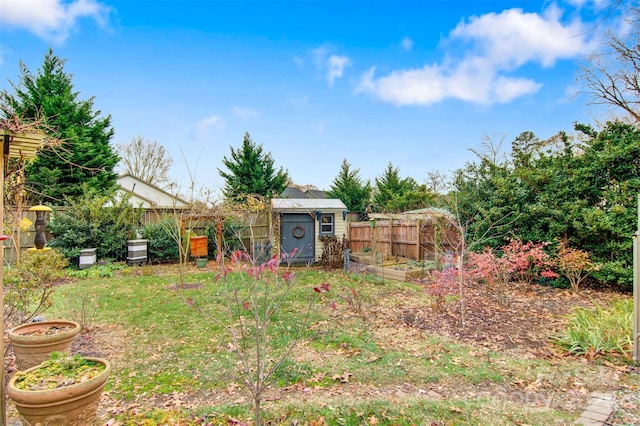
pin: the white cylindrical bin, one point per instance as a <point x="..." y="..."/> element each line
<point x="87" y="258"/>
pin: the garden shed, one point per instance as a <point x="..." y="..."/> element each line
<point x="301" y="223"/>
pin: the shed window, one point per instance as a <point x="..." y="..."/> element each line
<point x="327" y="224"/>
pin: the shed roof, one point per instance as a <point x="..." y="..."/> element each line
<point x="307" y="204"/>
<point x="302" y="192"/>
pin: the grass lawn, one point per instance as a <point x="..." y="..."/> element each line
<point x="392" y="356"/>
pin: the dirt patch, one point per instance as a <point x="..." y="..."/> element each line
<point x="521" y="319"/>
<point x="108" y="342"/>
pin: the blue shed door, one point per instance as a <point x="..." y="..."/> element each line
<point x="298" y="231"/>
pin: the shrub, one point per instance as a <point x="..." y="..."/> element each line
<point x="574" y="264"/>
<point x="28" y="285"/>
<point x="528" y="261"/>
<point x="519" y="261"/>
<point x="333" y="249"/>
<point x="105" y="222"/>
<point x="604" y="329"/>
<point x="161" y="247"/>
<point x="443" y="288"/>
<point x="487" y="268"/>
<point x="616" y="272"/>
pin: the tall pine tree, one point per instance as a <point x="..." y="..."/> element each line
<point x="251" y="172"/>
<point x="84" y="155"/>
<point x="394" y="195"/>
<point x="349" y="188"/>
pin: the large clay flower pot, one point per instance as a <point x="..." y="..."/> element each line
<point x="33" y="342"/>
<point x="73" y="405"/>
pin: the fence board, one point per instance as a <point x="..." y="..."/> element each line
<point x="411" y="239"/>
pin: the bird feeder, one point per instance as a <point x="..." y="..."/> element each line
<point x="41" y="225"/>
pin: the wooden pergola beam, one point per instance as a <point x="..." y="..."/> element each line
<point x="22" y="146"/>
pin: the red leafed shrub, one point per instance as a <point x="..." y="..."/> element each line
<point x="445" y="284"/>
<point x="528" y="261"/>
<point x="522" y="262"/>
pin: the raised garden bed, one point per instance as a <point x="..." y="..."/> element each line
<point x="395" y="273"/>
<point x="392" y="267"/>
<point x="377" y="259"/>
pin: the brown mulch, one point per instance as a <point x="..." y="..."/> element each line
<point x="521" y="318"/>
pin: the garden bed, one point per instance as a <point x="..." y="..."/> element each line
<point x="393" y="267"/>
<point x="370" y="258"/>
<point x="397" y="272"/>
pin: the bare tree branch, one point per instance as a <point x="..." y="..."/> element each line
<point x="612" y="77"/>
<point x="145" y="159"/>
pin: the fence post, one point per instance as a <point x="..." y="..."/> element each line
<point x="346" y="260"/>
<point x="636" y="289"/>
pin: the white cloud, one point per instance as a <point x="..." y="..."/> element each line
<point x="491" y="47"/>
<point x="512" y="38"/>
<point x="332" y="64"/>
<point x="51" y="20"/>
<point x="245" y="113"/>
<point x="406" y="43"/>
<point x="597" y="4"/>
<point x="203" y="126"/>
<point x="336" y="65"/>
<point x="319" y="55"/>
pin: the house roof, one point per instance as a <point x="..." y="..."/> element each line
<point x="149" y="195"/>
<point x="303" y="192"/>
<point x="306" y="204"/>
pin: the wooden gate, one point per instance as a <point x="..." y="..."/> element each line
<point x="298" y="232"/>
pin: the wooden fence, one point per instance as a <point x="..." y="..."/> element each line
<point x="413" y="239"/>
<point x="251" y="231"/>
<point x="250" y="236"/>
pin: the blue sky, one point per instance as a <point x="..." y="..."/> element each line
<point x="414" y="83"/>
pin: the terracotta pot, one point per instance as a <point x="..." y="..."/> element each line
<point x="73" y="405"/>
<point x="32" y="349"/>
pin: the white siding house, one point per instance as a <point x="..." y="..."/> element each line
<point x="148" y="196"/>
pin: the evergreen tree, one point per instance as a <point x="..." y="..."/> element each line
<point x="84" y="155"/>
<point x="591" y="190"/>
<point x="349" y="188"/>
<point x="251" y="172"/>
<point x="487" y="197"/>
<point x="582" y="191"/>
<point x="394" y="194"/>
